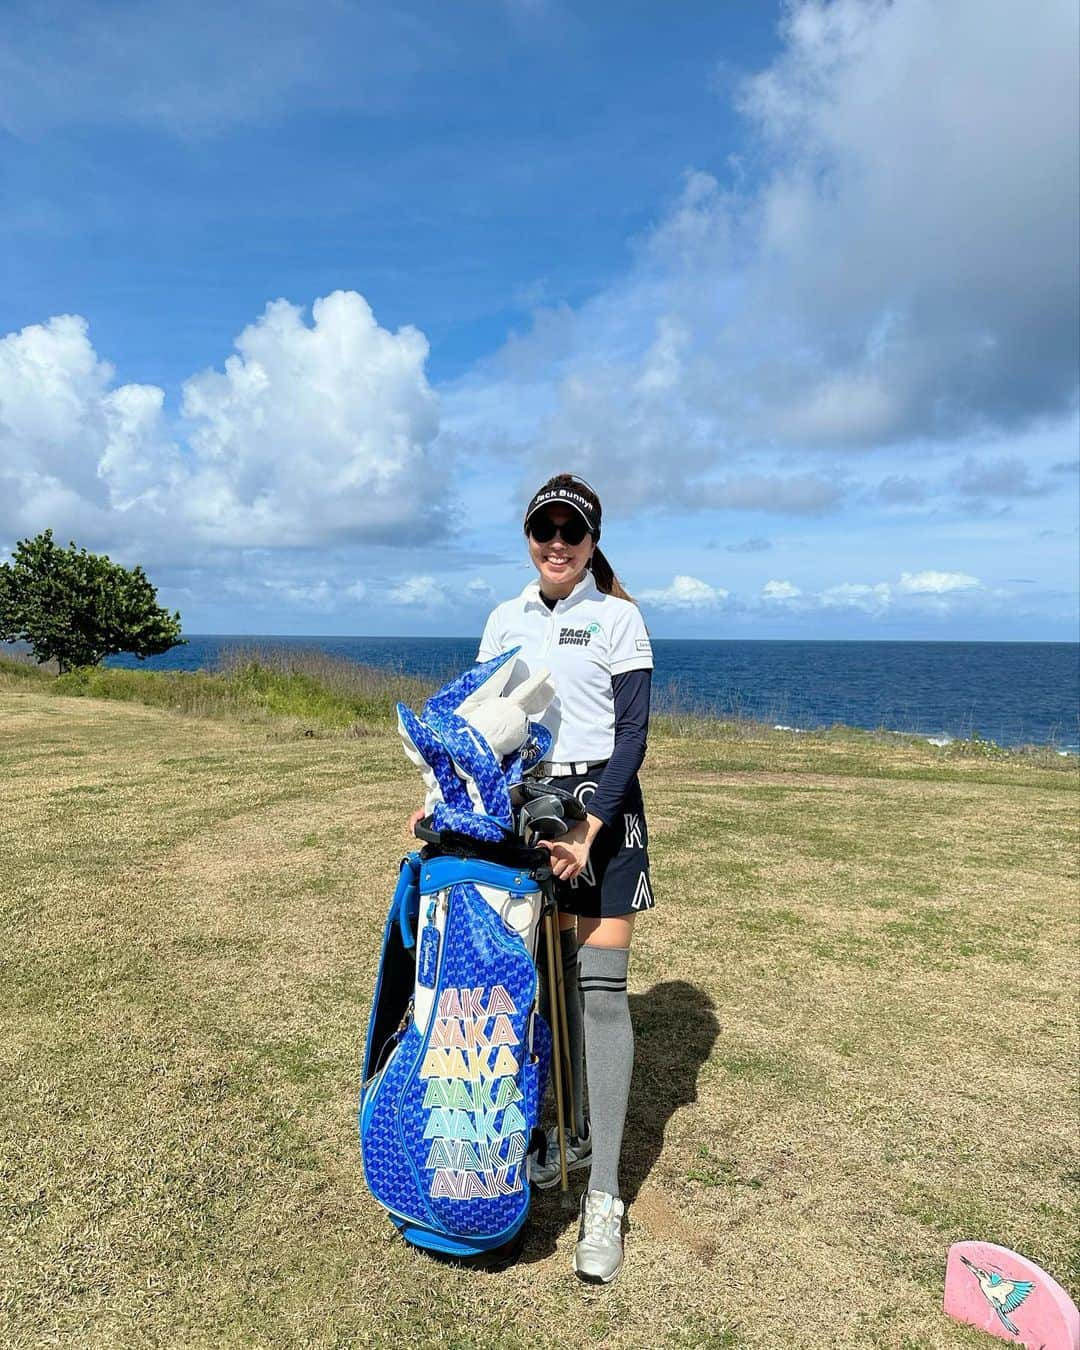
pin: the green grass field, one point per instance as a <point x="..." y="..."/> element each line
<point x="854" y="1005"/>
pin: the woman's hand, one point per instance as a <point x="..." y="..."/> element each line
<point x="570" y="852"/>
<point x="414" y="820"/>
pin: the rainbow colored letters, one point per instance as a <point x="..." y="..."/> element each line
<point x="474" y="1118"/>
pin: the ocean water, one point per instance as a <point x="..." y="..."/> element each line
<point x="1010" y="692"/>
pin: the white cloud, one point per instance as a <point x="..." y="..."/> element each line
<point x="427" y="592"/>
<point x="61" y="420"/>
<point x="915" y="591"/>
<point x="480" y="590"/>
<point x="841" y="409"/>
<point x="324" y="586"/>
<point x="873" y="599"/>
<point x="921" y="217"/>
<point x="935" y="583"/>
<point x="901" y="271"/>
<point x="298" y="592"/>
<point x="685" y="593"/>
<point x="311" y="434"/>
<point x="420" y="592"/>
<point x="321" y="596"/>
<point x="922" y="590"/>
<point x="780" y="590"/>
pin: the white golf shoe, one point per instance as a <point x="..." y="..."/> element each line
<point x="598" y="1256"/>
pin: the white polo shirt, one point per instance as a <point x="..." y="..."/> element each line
<point x="586" y="639"/>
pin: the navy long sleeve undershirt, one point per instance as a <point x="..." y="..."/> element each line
<point x="631" y="693"/>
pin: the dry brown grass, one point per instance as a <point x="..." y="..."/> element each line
<point x="853" y="1010"/>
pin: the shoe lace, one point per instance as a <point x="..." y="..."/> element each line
<point x="601" y="1222"/>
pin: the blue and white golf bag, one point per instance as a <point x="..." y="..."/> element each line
<point x="456" y="1059"/>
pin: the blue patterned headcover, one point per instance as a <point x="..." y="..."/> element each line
<point x="473" y="782"/>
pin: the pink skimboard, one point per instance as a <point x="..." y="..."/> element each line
<point x="1008" y="1296"/>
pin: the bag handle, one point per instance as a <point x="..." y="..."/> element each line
<point x="407" y="899"/>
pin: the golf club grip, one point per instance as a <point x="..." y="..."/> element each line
<point x="426" y="833"/>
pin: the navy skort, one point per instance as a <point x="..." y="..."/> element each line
<point x="616" y="880"/>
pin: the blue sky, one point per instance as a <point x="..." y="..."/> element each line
<point x="302" y="302"/>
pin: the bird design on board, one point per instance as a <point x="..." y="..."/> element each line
<point x="1003" y="1295"/>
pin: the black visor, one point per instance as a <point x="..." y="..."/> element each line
<point x="566" y="496"/>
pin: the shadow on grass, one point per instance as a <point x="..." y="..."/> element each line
<point x="675" y="1029"/>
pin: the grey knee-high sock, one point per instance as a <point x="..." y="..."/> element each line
<point x="609" y="1052"/>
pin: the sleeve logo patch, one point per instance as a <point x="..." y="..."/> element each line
<point x="644" y="645"/>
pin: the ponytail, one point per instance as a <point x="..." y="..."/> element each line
<point x="605" y="578"/>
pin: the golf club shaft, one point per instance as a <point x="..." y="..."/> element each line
<point x="557" y="1025"/>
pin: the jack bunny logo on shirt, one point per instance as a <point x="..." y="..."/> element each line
<point x="578" y="637"/>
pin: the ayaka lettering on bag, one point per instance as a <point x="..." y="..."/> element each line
<point x="475" y="1123"/>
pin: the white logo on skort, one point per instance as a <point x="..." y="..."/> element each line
<point x="643" y="897"/>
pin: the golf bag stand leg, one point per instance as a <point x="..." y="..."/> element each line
<point x="559" y="1004"/>
<point x="558" y="1026"/>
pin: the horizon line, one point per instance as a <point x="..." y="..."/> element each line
<point x="440" y="637"/>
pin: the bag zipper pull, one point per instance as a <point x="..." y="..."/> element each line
<point x="427" y="960"/>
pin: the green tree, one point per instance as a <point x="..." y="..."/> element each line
<point x="77" y="608"/>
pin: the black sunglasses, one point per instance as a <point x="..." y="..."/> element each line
<point x="543" y="529"/>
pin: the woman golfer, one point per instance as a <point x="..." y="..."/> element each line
<point x="576" y="620"/>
